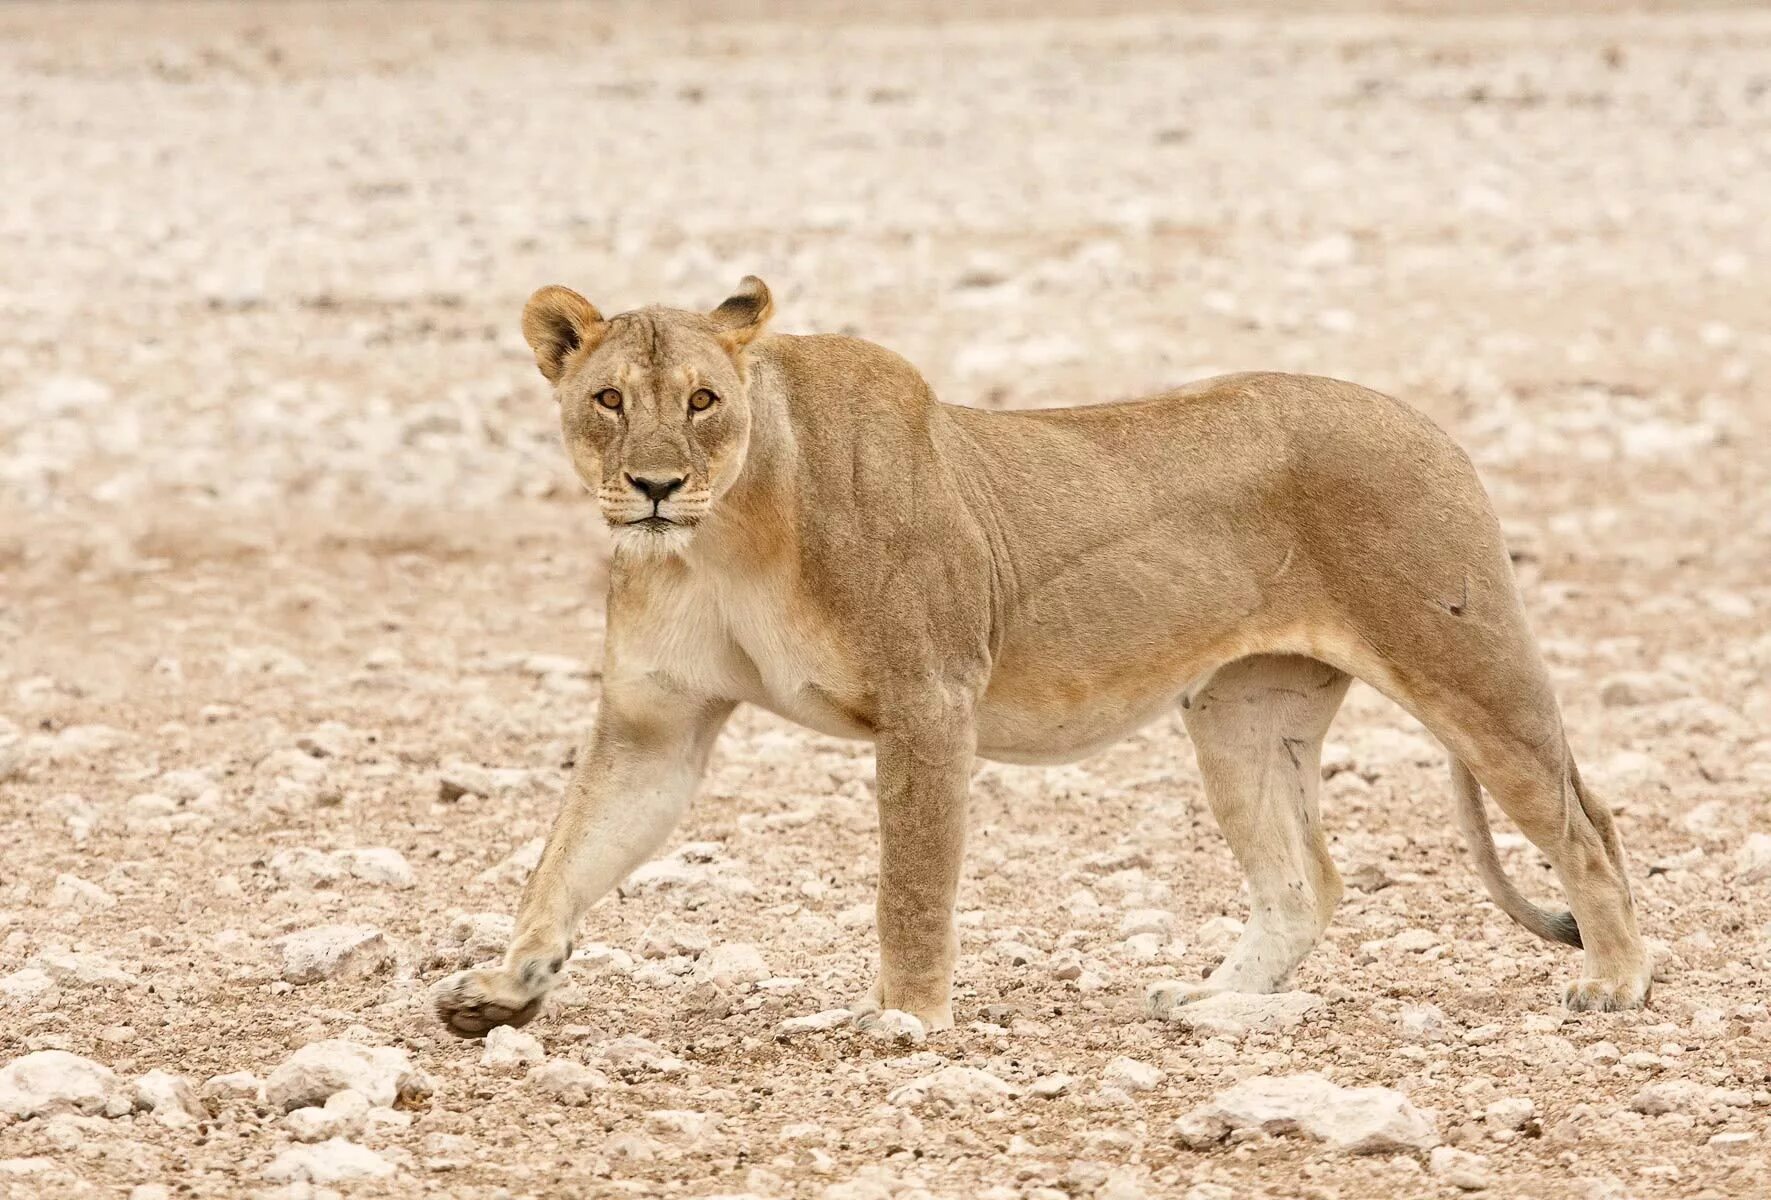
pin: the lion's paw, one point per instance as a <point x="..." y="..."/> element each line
<point x="1162" y="999"/>
<point x="471" y="1002"/>
<point x="1607" y="995"/>
<point x="869" y="1007"/>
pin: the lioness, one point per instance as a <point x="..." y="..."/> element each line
<point x="800" y="524"/>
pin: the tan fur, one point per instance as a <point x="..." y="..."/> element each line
<point x="1032" y="586"/>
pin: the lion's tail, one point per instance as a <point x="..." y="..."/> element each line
<point x="1473" y="820"/>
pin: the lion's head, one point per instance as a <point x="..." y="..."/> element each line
<point x="654" y="404"/>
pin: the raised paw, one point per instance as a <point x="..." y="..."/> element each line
<point x="1607" y="995"/>
<point x="471" y="1002"/>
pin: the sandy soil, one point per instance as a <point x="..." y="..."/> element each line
<point x="287" y="548"/>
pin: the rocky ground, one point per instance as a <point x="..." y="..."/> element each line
<point x="301" y="613"/>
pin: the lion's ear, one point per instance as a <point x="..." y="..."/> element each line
<point x="557" y="321"/>
<point x="742" y="315"/>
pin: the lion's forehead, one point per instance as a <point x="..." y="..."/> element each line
<point x="635" y="376"/>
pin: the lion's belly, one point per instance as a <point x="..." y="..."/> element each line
<point x="1051" y="701"/>
<point x="1064" y="723"/>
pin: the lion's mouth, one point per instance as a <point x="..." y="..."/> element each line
<point x="658" y="524"/>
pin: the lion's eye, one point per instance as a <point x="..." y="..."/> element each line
<point x="700" y="400"/>
<point x="610" y="399"/>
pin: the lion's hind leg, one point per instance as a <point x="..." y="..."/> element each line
<point x="1257" y="727"/>
<point x="1538" y="786"/>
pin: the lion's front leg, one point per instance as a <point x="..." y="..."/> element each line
<point x="924" y="778"/>
<point x="627" y="794"/>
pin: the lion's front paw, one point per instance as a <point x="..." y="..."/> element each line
<point x="471" y="1002"/>
<point x="934" y="1015"/>
<point x="1607" y="995"/>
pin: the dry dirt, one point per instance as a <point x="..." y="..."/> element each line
<point x="285" y="538"/>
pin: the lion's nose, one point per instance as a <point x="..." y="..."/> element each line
<point x="656" y="489"/>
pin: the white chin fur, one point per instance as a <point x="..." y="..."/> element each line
<point x="634" y="542"/>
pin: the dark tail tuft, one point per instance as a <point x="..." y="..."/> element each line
<point x="1473" y="820"/>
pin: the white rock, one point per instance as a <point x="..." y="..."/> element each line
<point x="184" y="784"/>
<point x="1414" y="941"/>
<point x="473" y="938"/>
<point x="893" y="1025"/>
<point x="1016" y="953"/>
<point x="567" y="1081"/>
<point x="1232" y="1014"/>
<point x="47" y="1082"/>
<point x="733" y="964"/>
<point x="1709" y="818"/>
<point x="695" y="866"/>
<point x="952" y="1087"/>
<point x="1752" y="862"/>
<point x="383" y="1120"/>
<point x="1667" y="1096"/>
<point x="599" y="959"/>
<point x="72" y="892"/>
<point x="163" y="1092"/>
<point x="319" y="1070"/>
<point x="83" y="968"/>
<point x="458" y="779"/>
<point x="631" y="1056"/>
<point x="78" y="742"/>
<point x="309" y="868"/>
<point x="665" y="938"/>
<point x="1425" y="1021"/>
<point x="335" y="952"/>
<point x="818" y="1022"/>
<point x="25" y="986"/>
<point x="334" y="1161"/>
<point x="1734" y="1142"/>
<point x="517" y="866"/>
<point x="1372" y="1120"/>
<point x="343" y="1115"/>
<point x="1130" y="1075"/>
<point x="381" y="865"/>
<point x="291" y="766"/>
<point x="1146" y="946"/>
<point x="1459" y="1168"/>
<point x="150" y="812"/>
<point x="1510" y="1113"/>
<point x="236" y="1085"/>
<point x="509" y="1049"/>
<point x="682" y="1123"/>
<point x="13" y="1168"/>
<point x="1146" y="920"/>
<point x="1047" y="1087"/>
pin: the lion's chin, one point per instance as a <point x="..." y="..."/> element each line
<point x="652" y="538"/>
